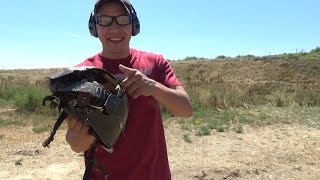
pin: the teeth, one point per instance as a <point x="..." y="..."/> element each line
<point x="115" y="39"/>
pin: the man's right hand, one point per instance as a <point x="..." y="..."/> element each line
<point x="78" y="136"/>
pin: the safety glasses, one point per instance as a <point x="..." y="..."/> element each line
<point x="121" y="20"/>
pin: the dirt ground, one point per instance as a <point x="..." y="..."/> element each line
<point x="283" y="151"/>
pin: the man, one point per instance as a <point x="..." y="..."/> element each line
<point x="140" y="152"/>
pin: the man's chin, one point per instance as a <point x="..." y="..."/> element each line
<point x="117" y="45"/>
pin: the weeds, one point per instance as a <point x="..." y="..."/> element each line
<point x="185" y="125"/>
<point x="165" y="114"/>
<point x="204" y="122"/>
<point x="18" y="162"/>
<point x="279" y="102"/>
<point x="186" y="138"/>
<point x="203" y="130"/>
<point x="238" y="129"/>
<point x="17" y="121"/>
<point x="41" y="129"/>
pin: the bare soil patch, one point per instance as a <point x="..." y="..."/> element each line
<point x="272" y="152"/>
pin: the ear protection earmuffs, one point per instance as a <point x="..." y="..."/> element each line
<point x="135" y="23"/>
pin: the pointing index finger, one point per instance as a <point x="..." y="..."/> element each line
<point x="126" y="70"/>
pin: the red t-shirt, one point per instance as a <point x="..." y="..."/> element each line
<point x="140" y="153"/>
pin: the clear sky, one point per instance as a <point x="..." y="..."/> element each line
<point x="45" y="34"/>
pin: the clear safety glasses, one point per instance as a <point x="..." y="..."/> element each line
<point x="121" y="20"/>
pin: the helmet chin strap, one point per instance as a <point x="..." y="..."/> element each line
<point x="92" y="162"/>
<point x="57" y="124"/>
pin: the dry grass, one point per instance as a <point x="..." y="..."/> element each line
<point x="254" y="119"/>
<point x="219" y="85"/>
<point x="224" y="84"/>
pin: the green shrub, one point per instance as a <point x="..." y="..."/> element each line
<point x="29" y="99"/>
<point x="315" y="50"/>
<point x="221" y="57"/>
<point x="239" y="129"/>
<point x="7" y="94"/>
<point x="203" y="131"/>
<point x="18" y="162"/>
<point x="279" y="102"/>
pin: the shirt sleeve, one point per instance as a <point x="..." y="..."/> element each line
<point x="86" y="62"/>
<point x="166" y="74"/>
<point x="91" y="61"/>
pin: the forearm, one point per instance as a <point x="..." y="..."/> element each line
<point x="175" y="100"/>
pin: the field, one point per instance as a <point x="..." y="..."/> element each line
<point x="254" y="118"/>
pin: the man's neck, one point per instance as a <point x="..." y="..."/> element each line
<point x="115" y="55"/>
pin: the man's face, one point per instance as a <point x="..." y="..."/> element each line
<point x="114" y="38"/>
